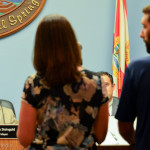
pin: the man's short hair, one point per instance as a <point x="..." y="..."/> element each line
<point x="101" y="73"/>
<point x="146" y="10"/>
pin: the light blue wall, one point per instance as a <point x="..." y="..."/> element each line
<point x="137" y="46"/>
<point x="93" y="22"/>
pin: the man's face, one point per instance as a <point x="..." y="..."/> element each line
<point x="145" y="33"/>
<point x="109" y="86"/>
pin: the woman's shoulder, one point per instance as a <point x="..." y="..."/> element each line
<point x="92" y="75"/>
<point x="89" y="73"/>
<point x="33" y="78"/>
<point x="100" y="85"/>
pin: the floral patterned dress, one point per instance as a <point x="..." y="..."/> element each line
<point x="65" y="113"/>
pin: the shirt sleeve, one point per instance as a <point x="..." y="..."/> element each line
<point x="126" y="111"/>
<point x="13" y="118"/>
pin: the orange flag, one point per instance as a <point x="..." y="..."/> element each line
<point x="121" y="49"/>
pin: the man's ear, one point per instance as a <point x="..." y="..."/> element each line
<point x="113" y="86"/>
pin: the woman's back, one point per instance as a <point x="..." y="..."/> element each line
<point x="66" y="113"/>
<point x="60" y="104"/>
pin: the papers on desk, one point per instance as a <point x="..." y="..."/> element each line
<point x="113" y="137"/>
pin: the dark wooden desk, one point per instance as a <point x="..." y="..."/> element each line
<point x="116" y="147"/>
<point x="10" y="144"/>
<point x="13" y="144"/>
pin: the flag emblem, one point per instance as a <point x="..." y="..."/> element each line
<point x="121" y="49"/>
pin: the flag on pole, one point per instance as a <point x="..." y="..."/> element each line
<point x="121" y="49"/>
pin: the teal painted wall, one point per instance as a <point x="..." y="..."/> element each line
<point x="93" y="22"/>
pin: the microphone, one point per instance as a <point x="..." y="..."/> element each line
<point x="2" y="112"/>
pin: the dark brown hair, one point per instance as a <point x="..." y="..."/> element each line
<point x="56" y="52"/>
<point x="146" y="10"/>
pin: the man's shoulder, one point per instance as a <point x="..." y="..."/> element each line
<point x="140" y="62"/>
<point x="115" y="101"/>
<point x="115" y="105"/>
<point x="7" y="110"/>
<point x="9" y="115"/>
<point x="136" y="67"/>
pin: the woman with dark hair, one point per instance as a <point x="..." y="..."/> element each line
<point x="62" y="107"/>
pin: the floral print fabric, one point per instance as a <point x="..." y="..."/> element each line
<point x="66" y="113"/>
